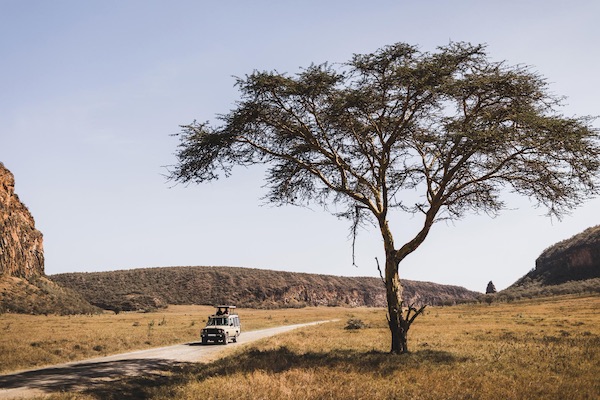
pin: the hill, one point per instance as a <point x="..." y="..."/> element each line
<point x="574" y="259"/>
<point x="39" y="295"/>
<point x="149" y="288"/>
<point x="567" y="267"/>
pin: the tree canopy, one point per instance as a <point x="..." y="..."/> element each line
<point x="438" y="134"/>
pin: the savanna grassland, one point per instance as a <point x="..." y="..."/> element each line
<point x="540" y="349"/>
<point x="30" y="341"/>
<point x="533" y="349"/>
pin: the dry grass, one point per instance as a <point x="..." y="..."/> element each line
<point x="536" y="349"/>
<point x="28" y="341"/>
<point x="541" y="349"/>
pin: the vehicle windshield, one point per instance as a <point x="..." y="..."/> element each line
<point x="217" y="321"/>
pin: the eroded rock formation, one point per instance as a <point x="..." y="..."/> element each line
<point x="574" y="259"/>
<point x="21" y="245"/>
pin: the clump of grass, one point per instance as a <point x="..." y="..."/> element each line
<point x="355" y="323"/>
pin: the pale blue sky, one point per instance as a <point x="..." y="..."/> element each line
<point x="90" y="92"/>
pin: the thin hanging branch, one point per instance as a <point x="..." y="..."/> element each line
<point x="380" y="273"/>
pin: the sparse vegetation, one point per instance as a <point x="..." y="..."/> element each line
<point x="39" y="295"/>
<point x="502" y="352"/>
<point x="151" y="289"/>
<point x="536" y="289"/>
<point x="533" y="349"/>
<point x="28" y="341"/>
<point x="590" y="236"/>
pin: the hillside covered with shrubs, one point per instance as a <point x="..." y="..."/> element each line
<point x="39" y="295"/>
<point x="150" y="288"/>
<point x="571" y="266"/>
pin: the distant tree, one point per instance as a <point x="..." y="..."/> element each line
<point x="490" y="288"/>
<point x="436" y="135"/>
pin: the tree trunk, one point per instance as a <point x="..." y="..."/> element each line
<point x="397" y="323"/>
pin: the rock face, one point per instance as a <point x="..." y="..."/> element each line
<point x="23" y="286"/>
<point x="21" y="245"/>
<point x="574" y="259"/>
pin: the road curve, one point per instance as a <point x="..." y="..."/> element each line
<point x="80" y="375"/>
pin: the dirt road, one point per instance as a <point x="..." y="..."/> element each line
<point x="98" y="373"/>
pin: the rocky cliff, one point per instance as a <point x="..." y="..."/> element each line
<point x="23" y="286"/>
<point x="21" y="245"/>
<point x="574" y="259"/>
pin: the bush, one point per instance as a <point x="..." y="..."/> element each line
<point x="354" y="323"/>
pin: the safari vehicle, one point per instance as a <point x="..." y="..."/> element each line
<point x="222" y="327"/>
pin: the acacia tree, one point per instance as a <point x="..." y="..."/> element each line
<point x="451" y="127"/>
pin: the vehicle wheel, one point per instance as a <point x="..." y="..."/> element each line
<point x="234" y="340"/>
<point x="204" y="341"/>
<point x="226" y="338"/>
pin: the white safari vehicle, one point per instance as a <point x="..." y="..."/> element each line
<point x="223" y="326"/>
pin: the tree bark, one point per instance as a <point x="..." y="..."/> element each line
<point x="396" y="321"/>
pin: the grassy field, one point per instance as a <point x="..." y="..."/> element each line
<point x="536" y="349"/>
<point x="29" y="341"/>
